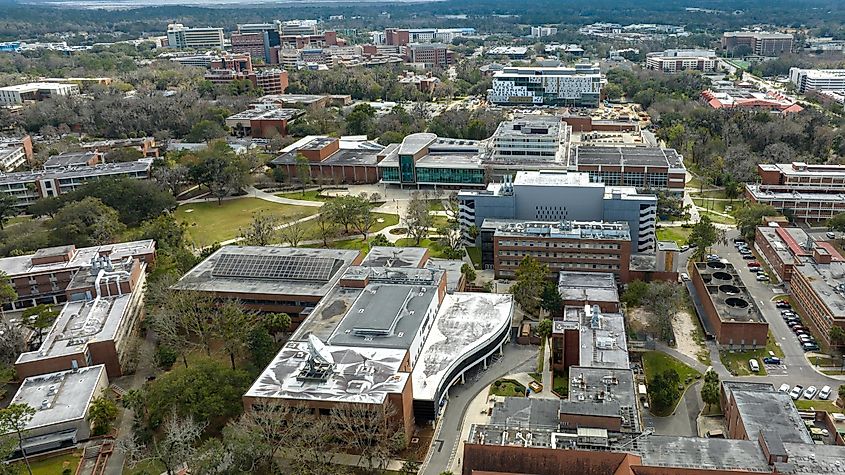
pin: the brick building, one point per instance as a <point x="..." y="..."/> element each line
<point x="809" y="193"/>
<point x="262" y="122"/>
<point x="760" y="43"/>
<point x="334" y="160"/>
<point x="430" y="54"/>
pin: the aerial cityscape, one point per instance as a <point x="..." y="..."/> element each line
<point x="456" y="237"/>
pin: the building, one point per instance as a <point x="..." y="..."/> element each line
<point x="61" y="401"/>
<point x="742" y="98"/>
<point x="239" y="63"/>
<point x="299" y="27"/>
<point x="430" y="54"/>
<point x="73" y="160"/>
<point x="562" y="245"/>
<point x="45" y="276"/>
<point x="269" y="81"/>
<point x="560" y="196"/>
<point x="531" y="138"/>
<point x="404" y="37"/>
<point x="97" y="325"/>
<point x="423" y="83"/>
<point x="578" y="288"/>
<point x="644" y="168"/>
<point x="809" y="193"/>
<point x="541" y="31"/>
<point x="761" y="43"/>
<point x="387" y="332"/>
<point x="512" y="52"/>
<point x="783" y="248"/>
<point x="14" y="152"/>
<point x="262" y="122"/>
<point x="725" y="307"/>
<point x="28" y="186"/>
<point x="806" y="80"/>
<point x="35" y="91"/>
<point x="333" y="160"/>
<point x="425" y="159"/>
<point x="677" y="60"/>
<point x="258" y="39"/>
<point x="755" y="408"/>
<point x="182" y="37"/>
<point x="578" y="86"/>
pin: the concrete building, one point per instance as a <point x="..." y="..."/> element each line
<point x="677" y="60"/>
<point x="299" y="27"/>
<point x="14" y="152"/>
<point x="531" y="138"/>
<point x="44" y="277"/>
<point x="404" y="37"/>
<point x="562" y="245"/>
<point x="73" y="160"/>
<point x="425" y="159"/>
<point x="729" y="311"/>
<point x="61" y="401"/>
<point x="816" y="289"/>
<point x="270" y="81"/>
<point x="541" y="31"/>
<point x="743" y="98"/>
<point x="809" y="193"/>
<point x="806" y="80"/>
<point x="561" y="196"/>
<point x="28" y="186"/>
<point x="430" y="55"/>
<point x="520" y="86"/>
<point x="644" y="168"/>
<point x="35" y="91"/>
<point x="262" y="122"/>
<point x="257" y="39"/>
<point x="755" y="408"/>
<point x="183" y="37"/>
<point x="761" y="43"/>
<point x="578" y="288"/>
<point x="511" y="52"/>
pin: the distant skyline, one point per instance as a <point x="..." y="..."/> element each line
<point x="133" y="4"/>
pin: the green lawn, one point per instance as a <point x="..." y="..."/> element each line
<point x="677" y="234"/>
<point x="561" y="386"/>
<point x="474" y="254"/>
<point x="144" y="468"/>
<point x="432" y="245"/>
<point x="17" y="220"/>
<point x="310" y="195"/>
<point x="436" y="205"/>
<point x="737" y="362"/>
<point x="55" y="465"/>
<point x="718" y="205"/>
<point x="655" y="362"/>
<point x="382" y="220"/>
<point x="209" y="222"/>
<point x="353" y="243"/>
<point x="507" y="388"/>
<point x="439" y="221"/>
<point x="717" y="218"/>
<point x="806" y="405"/>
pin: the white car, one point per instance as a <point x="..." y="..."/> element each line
<point x="755" y="367"/>
<point x="762" y="277"/>
<point x="796" y="392"/>
<point x="784" y="388"/>
<point x="825" y="392"/>
<point x="810" y="392"/>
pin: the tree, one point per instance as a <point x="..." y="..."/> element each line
<point x="359" y="120"/>
<point x="276" y="322"/>
<point x="451" y="205"/>
<point x="837" y="223"/>
<point x="204" y="131"/>
<point x="135" y="200"/>
<point x="663" y="388"/>
<point x="46" y="206"/>
<point x="345" y="210"/>
<point x="303" y="171"/>
<point x="450" y="236"/>
<point x="751" y="216"/>
<point x="635" y="292"/>
<point x="410" y="467"/>
<point x="365" y="219"/>
<point x="232" y="326"/>
<point x="710" y="390"/>
<point x="88" y="222"/>
<point x="837" y="335"/>
<point x="370" y="431"/>
<point x="613" y="91"/>
<point x="124" y="154"/>
<point x="417" y="218"/>
<point x="174" y="448"/>
<point x="294" y="231"/>
<point x="704" y="235"/>
<point x="380" y="240"/>
<point x="469" y="272"/>
<point x="220" y="170"/>
<point x="260" y="346"/>
<point x="8" y="208"/>
<point x="326" y="227"/>
<point x="550" y="299"/>
<point x="102" y="413"/>
<point x="7" y="374"/>
<point x="180" y="318"/>
<point x="39" y="318"/>
<point x="544" y="328"/>
<point x="531" y="277"/>
<point x="13" y="420"/>
<point x="665" y="299"/>
<point x="261" y="231"/>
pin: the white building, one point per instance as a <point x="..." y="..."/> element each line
<point x="14" y="152"/>
<point x="541" y="31"/>
<point x="299" y="27"/>
<point x="676" y="60"/>
<point x="180" y="36"/>
<point x="35" y="91"/>
<point x="817" y="79"/>
<point x="579" y="86"/>
<point x="531" y="138"/>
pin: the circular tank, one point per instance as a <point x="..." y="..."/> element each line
<point x="722" y="276"/>
<point x="706" y="278"/>
<point x="716" y="265"/>
<point x="729" y="289"/>
<point x="736" y="302"/>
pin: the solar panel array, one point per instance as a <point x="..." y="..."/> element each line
<point x="301" y="268"/>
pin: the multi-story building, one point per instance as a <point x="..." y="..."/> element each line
<point x="727" y="310"/>
<point x="531" y="138"/>
<point x="742" y="98"/>
<point x="239" y="62"/>
<point x="817" y="79"/>
<point x="403" y="37"/>
<point x="333" y="160"/>
<point x="809" y="193"/>
<point x="676" y="60"/>
<point x="45" y="276"/>
<point x="644" y="168"/>
<point x="183" y="37"/>
<point x="761" y="43"/>
<point x="541" y="31"/>
<point x="263" y="122"/>
<point x="321" y="40"/>
<point x="586" y="246"/>
<point x="270" y="81"/>
<point x="299" y="27"/>
<point x="425" y="159"/>
<point x="14" y="152"/>
<point x="578" y="86"/>
<point x="430" y="54"/>
<point x="29" y="186"/>
<point x="257" y="39"/>
<point x="35" y="91"/>
<point x="561" y="196"/>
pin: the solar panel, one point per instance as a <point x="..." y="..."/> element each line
<point x="301" y="268"/>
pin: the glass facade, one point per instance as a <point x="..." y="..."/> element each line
<point x="390" y="174"/>
<point x="473" y="176"/>
<point x="406" y="166"/>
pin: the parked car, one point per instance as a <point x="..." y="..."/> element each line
<point x="787" y="312"/>
<point x="810" y="392"/>
<point x="748" y="256"/>
<point x="782" y="304"/>
<point x="804" y="338"/>
<point x="754" y="365"/>
<point x="739" y="239"/>
<point x="784" y="388"/>
<point x="684" y="276"/>
<point x="762" y="277"/>
<point x="771" y="360"/>
<point x="810" y="346"/>
<point x="825" y="392"/>
<point x="713" y="257"/>
<point x="796" y="392"/>
<point x="685" y="248"/>
<point x="830" y="235"/>
<point x="754" y="264"/>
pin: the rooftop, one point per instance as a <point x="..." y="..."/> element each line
<point x="269" y="270"/>
<point x="266" y="114"/>
<point x="529" y="126"/>
<point x="387" y="256"/>
<point x="761" y="407"/>
<point x="352" y="151"/>
<point x="21" y="265"/>
<point x="603" y="340"/>
<point x="35" y="86"/>
<point x="816" y="459"/>
<point x="59" y="397"/>
<point x="731" y="299"/>
<point x="767" y="193"/>
<point x="588" y="286"/>
<point x="801" y="169"/>
<point x="69" y="160"/>
<point x="553" y="178"/>
<point x="827" y="281"/>
<point x="628" y="156"/>
<point x="585" y="230"/>
<point x="452" y="268"/>
<point x="415" y="143"/>
<point x="76" y="172"/>
<point x="603" y="391"/>
<point x="526" y="413"/>
<point x="704" y="453"/>
<point x="301" y="99"/>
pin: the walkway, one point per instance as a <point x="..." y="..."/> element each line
<point x="263" y="195"/>
<point x="684" y="358"/>
<point x="277" y="228"/>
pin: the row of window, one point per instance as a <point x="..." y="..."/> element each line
<point x="556" y="244"/>
<point x="565" y="265"/>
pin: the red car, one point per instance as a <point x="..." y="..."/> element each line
<point x="753" y="264"/>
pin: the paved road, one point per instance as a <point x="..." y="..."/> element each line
<point x="449" y="431"/>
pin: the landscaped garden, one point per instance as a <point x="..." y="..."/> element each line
<point x="507" y="388"/>
<point x="667" y="379"/>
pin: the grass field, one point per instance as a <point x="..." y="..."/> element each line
<point x="144" y="468"/>
<point x="475" y="256"/>
<point x="737" y="362"/>
<point x="432" y="245"/>
<point x="209" y="222"/>
<point x="717" y="218"/>
<point x="507" y="388"/>
<point x="55" y="465"/>
<point x="677" y="234"/>
<point x="311" y="195"/>
<point x="655" y="362"/>
<point x="806" y="405"/>
<point x="718" y="205"/>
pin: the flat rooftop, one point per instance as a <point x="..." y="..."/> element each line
<point x="350" y="152"/>
<point x="802" y="169"/>
<point x="22" y="265"/>
<point x="526" y="413"/>
<point x="104" y="169"/>
<point x="728" y="293"/>
<point x="265" y="114"/>
<point x="816" y="459"/>
<point x="465" y="322"/>
<point x="767" y="193"/>
<point x="59" y="397"/>
<point x="588" y="286"/>
<point x="303" y="99"/>
<point x="387" y="256"/>
<point x="414" y="143"/>
<point x="553" y="178"/>
<point x="785" y="241"/>
<point x="628" y="157"/>
<point x="452" y="268"/>
<point x="584" y="230"/>
<point x="702" y="453"/>
<point x="69" y="160"/>
<point x="762" y="407"/>
<point x="358" y="375"/>
<point x="529" y="126"/>
<point x="604" y="392"/>
<point x="603" y="340"/>
<point x="827" y="282"/>
<point x="269" y="270"/>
